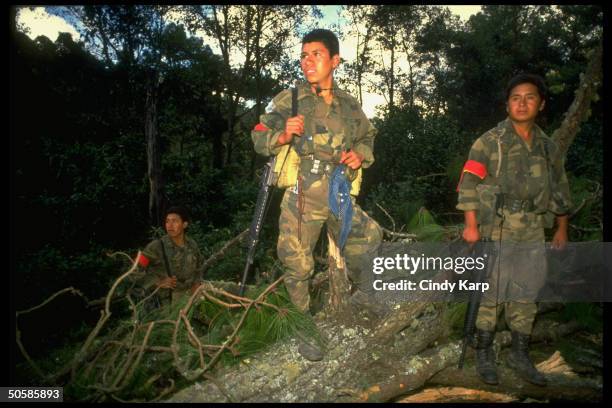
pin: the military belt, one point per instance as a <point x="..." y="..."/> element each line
<point x="310" y="165"/>
<point x="514" y="205"/>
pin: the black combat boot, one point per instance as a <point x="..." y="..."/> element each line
<point x="485" y="356"/>
<point x="518" y="359"/>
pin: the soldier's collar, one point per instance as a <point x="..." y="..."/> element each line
<point x="305" y="89"/>
<point x="171" y="242"/>
<point x="536" y="131"/>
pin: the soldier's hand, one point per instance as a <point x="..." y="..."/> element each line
<point x="471" y="234"/>
<point x="293" y="126"/>
<point x="559" y="240"/>
<point x="168" y="282"/>
<point x="352" y="159"/>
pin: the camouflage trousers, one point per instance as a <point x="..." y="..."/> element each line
<point x="518" y="274"/>
<point x="296" y="242"/>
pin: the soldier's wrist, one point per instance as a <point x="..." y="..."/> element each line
<point x="283" y="138"/>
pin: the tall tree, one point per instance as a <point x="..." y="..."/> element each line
<point x="252" y="39"/>
<point x="360" y="18"/>
<point x="130" y="37"/>
<point x="385" y="37"/>
<point x="580" y="109"/>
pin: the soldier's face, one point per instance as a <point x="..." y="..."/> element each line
<point x="524" y="103"/>
<point x="175" y="226"/>
<point x="317" y="65"/>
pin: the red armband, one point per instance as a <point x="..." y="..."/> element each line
<point x="260" y="127"/>
<point x="474" y="167"/>
<point x="143" y="261"/>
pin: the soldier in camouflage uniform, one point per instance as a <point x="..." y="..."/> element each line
<point x="330" y="129"/>
<point x="184" y="260"/>
<point x="517" y="163"/>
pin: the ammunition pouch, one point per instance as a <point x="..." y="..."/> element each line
<point x="287" y="167"/>
<point x="289" y="164"/>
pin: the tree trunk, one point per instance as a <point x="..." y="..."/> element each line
<point x="339" y="285"/>
<point x="580" y="109"/>
<point x="231" y="117"/>
<point x="353" y="357"/>
<point x="154" y="172"/>
<point x="217" y="148"/>
<point x="363" y="364"/>
<point x="392" y="79"/>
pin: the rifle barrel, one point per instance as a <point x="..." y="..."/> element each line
<point x="475" y="296"/>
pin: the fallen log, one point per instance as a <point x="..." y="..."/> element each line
<point x="563" y="383"/>
<point x="409" y="360"/>
<point x="423" y="367"/>
<point x="353" y="357"/>
<point x="457" y="394"/>
<point x="560" y="387"/>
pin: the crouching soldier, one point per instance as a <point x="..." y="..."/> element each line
<point x="172" y="263"/>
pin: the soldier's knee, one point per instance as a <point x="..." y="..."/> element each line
<point x="298" y="263"/>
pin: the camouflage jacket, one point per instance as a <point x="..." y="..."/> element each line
<point x="328" y="129"/>
<point x="527" y="173"/>
<point x="185" y="262"/>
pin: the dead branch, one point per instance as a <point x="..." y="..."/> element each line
<point x="104" y="316"/>
<point x="111" y="377"/>
<point x="457" y="394"/>
<point x="585" y="229"/>
<point x="140" y="354"/>
<point x="399" y="234"/>
<point x="555" y="364"/>
<point x="18" y="332"/>
<point x="220" y="253"/>
<point x="142" y="301"/>
<point x="50" y="299"/>
<point x="387" y="214"/>
<point x="594" y="195"/>
<point x="431" y="175"/>
<point x="242" y="300"/>
<point x="242" y="319"/>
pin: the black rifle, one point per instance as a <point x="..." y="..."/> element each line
<point x="166" y="263"/>
<point x="482" y="247"/>
<point x="263" y="201"/>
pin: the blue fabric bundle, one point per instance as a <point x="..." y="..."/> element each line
<point x="340" y="203"/>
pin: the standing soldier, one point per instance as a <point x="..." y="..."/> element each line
<point x="512" y="186"/>
<point x="173" y="263"/>
<point x="330" y="129"/>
